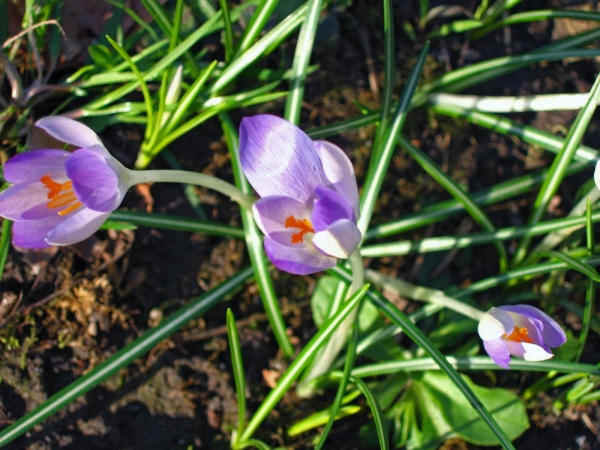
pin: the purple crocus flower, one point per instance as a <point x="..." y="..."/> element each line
<point x="309" y="198"/>
<point x="519" y="330"/>
<point x="59" y="197"/>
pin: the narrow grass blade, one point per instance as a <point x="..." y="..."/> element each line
<point x="228" y="30"/>
<point x="573" y="263"/>
<point x="446" y="182"/>
<point x="566" y="48"/>
<point x="590" y="295"/>
<point x="256" y="25"/>
<point x="140" y="79"/>
<point x="260" y="445"/>
<point x="435" y="213"/>
<point x="559" y="166"/>
<point x="304" y="47"/>
<point x="167" y="61"/>
<point x="520" y="273"/>
<point x="255" y="245"/>
<point x="137" y="19"/>
<point x="188" y="98"/>
<point x="300" y="363"/>
<point x="416" y="335"/>
<point x="536" y="16"/>
<point x="443" y="243"/>
<point x="374" y="178"/>
<point x="260" y="49"/>
<point x="177" y="223"/>
<point x="343" y="384"/>
<point x="4" y="245"/>
<point x="471" y="363"/>
<point x="239" y="376"/>
<point x="526" y="133"/>
<point x="195" y="308"/>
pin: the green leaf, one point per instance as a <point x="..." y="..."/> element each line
<point x="445" y="412"/>
<point x="101" y="55"/>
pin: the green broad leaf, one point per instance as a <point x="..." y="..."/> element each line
<point x="101" y="55"/>
<point x="445" y="413"/>
<point x="322" y="301"/>
<point x="387" y="391"/>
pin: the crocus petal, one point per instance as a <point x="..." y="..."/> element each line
<point x="270" y="214"/>
<point x="34" y="165"/>
<point x="94" y="182"/>
<point x="329" y="208"/>
<point x="528" y="352"/>
<point x="33" y="233"/>
<point x="279" y="159"/>
<point x="552" y="334"/>
<point x="69" y="131"/>
<point x="25" y="201"/>
<point x="339" y="171"/>
<point x="297" y="260"/>
<point x="494" y="324"/>
<point x="498" y="351"/>
<point x="77" y="226"/>
<point x="340" y="239"/>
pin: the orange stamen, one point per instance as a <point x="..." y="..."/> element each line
<point x="60" y="194"/>
<point x="303" y="225"/>
<point x="519" y="335"/>
<point x="62" y="200"/>
<point x="71" y="208"/>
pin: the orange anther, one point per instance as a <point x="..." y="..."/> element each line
<point x="71" y="208"/>
<point x="303" y="225"/>
<point x="519" y="335"/>
<point x="60" y="194"/>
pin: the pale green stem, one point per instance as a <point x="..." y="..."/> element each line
<point x="199" y="179"/>
<point x="328" y="354"/>
<point x="423" y="294"/>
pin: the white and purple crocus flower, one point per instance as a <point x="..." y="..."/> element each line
<point x="60" y="197"/>
<point x="309" y="198"/>
<point x="519" y="330"/>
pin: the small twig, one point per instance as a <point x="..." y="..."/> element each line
<point x="222" y="330"/>
<point x="363" y="36"/>
<point x="27" y="30"/>
<point x="16" y="86"/>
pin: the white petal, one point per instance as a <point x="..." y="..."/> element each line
<point x="340" y="239"/>
<point x="494" y="324"/>
<point x="528" y="352"/>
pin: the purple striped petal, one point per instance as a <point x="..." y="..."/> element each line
<point x="340" y="239"/>
<point x="551" y="332"/>
<point x="279" y="159"/>
<point x="26" y="201"/>
<point x="339" y="171"/>
<point x="78" y="226"/>
<point x="33" y="233"/>
<point x="299" y="261"/>
<point x="94" y="182"/>
<point x="329" y="208"/>
<point x="34" y="165"/>
<point x="69" y="131"/>
<point x="270" y="214"/>
<point x="497" y="350"/>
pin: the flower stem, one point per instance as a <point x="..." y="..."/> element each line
<point x="329" y="352"/>
<point x="199" y="179"/>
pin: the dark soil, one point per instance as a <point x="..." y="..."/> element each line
<point x="119" y="284"/>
